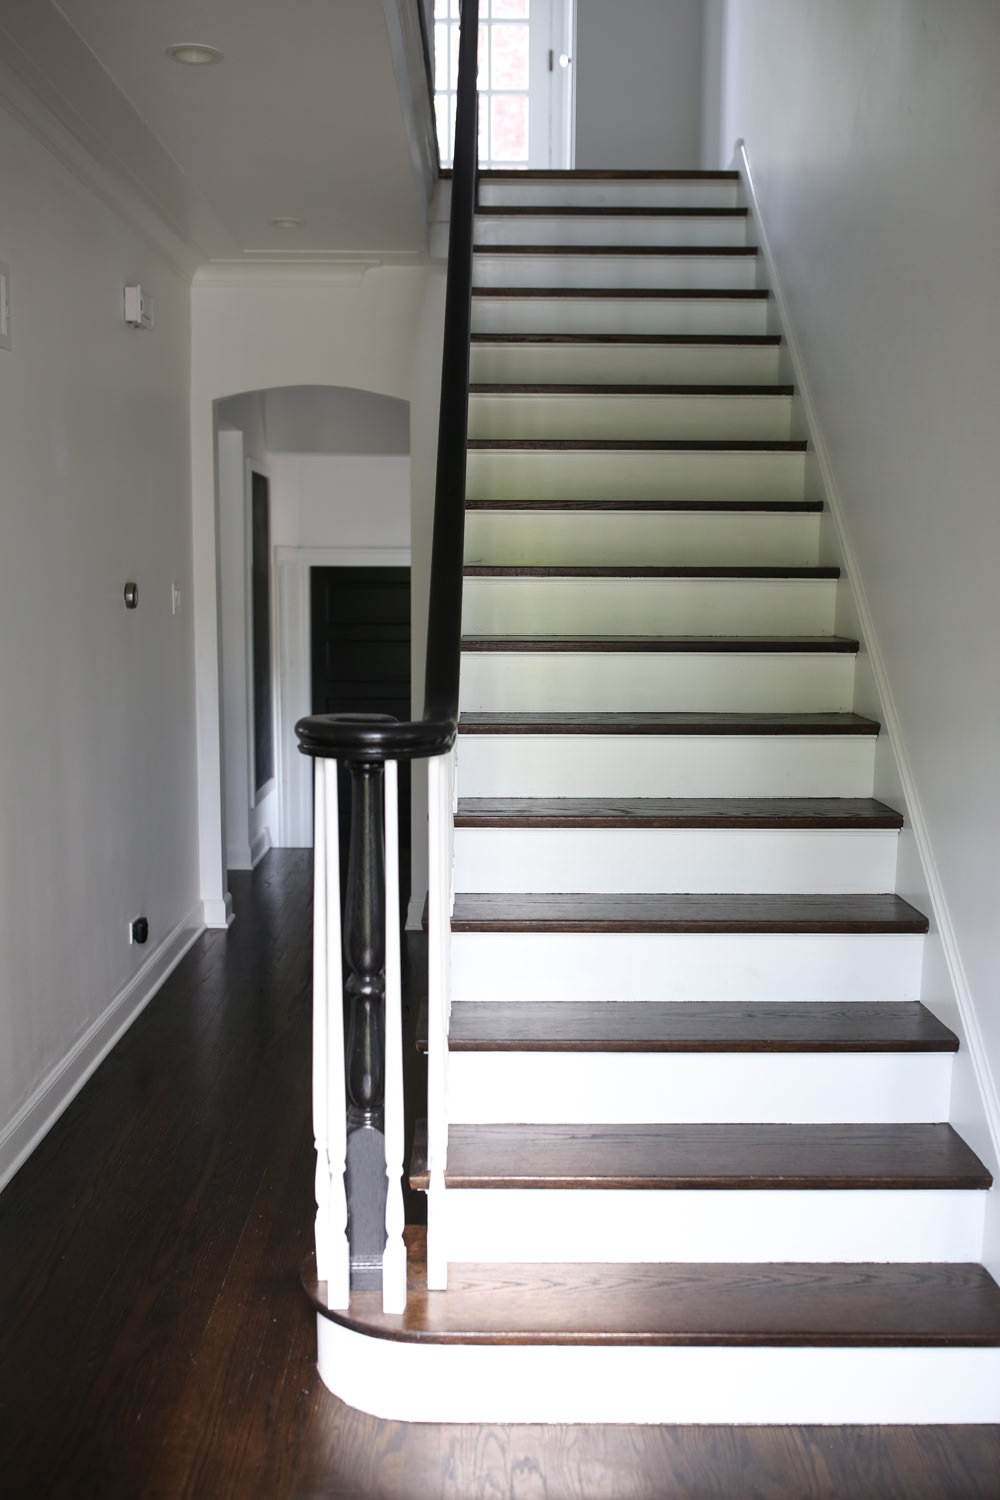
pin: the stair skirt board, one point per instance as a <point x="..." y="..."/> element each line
<point x="765" y="681"/>
<point x="689" y="362"/>
<point x="707" y="1225"/>
<point x="684" y="966"/>
<point x="530" y="765"/>
<point x="737" y="1087"/>
<point x="648" y="606"/>
<point x="490" y="1384"/>
<point x="769" y="861"/>
<point x="652" y="538"/>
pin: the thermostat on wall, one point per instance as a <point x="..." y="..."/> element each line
<point x="138" y="307"/>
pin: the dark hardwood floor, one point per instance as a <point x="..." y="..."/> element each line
<point x="156" y="1341"/>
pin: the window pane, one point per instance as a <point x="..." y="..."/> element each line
<point x="484" y="129"/>
<point x="440" y="8"/>
<point x="483" y="60"/>
<point x="441" y="54"/>
<point x="510" y="56"/>
<point x="441" y="116"/>
<point x="456" y="37"/>
<point x="511" y="10"/>
<point x="510" y="127"/>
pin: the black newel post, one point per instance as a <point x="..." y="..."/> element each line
<point x="364" y="1001"/>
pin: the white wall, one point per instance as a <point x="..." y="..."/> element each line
<point x="638" y="84"/>
<point x="340" y="500"/>
<point x="873" y="130"/>
<point x="376" y="329"/>
<point x="97" y="764"/>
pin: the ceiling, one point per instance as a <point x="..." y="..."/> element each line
<point x="303" y="117"/>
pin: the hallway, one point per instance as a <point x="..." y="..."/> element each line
<point x="156" y="1342"/>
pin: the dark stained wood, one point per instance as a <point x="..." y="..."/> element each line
<point x="594" y="722"/>
<point x="738" y="1157"/>
<point x="748" y="644"/>
<point x="638" y="570"/>
<point x="676" y="252"/>
<point x="602" y="174"/>
<point x="627" y="294"/>
<point x="692" y="340"/>
<point x="861" y="1305"/>
<point x="787" y="507"/>
<point x="675" y="812"/>
<point x="156" y="1341"/>
<point x="496" y="388"/>
<point x="609" y="912"/>
<point x="694" y="1026"/>
<point x="636" y="445"/>
<point x="613" y="211"/>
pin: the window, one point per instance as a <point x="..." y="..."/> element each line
<point x="504" y="69"/>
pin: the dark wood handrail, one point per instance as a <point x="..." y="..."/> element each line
<point x="359" y="737"/>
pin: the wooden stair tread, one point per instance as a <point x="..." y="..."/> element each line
<point x="665" y="643"/>
<point x="627" y="293"/>
<point x="748" y="1304"/>
<point x="708" y="1156"/>
<point x="694" y="1026"/>
<point x="608" y="211"/>
<point x="729" y="912"/>
<point x="672" y="723"/>
<point x="675" y="812"/>
<point x="689" y="340"/>
<point x="638" y="445"/>
<point x="703" y="507"/>
<point x="543" y="388"/>
<point x="641" y="570"/>
<point x="744" y="252"/>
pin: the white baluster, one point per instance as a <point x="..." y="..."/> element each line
<point x="394" y="1257"/>
<point x="440" y="822"/>
<point x="338" y="1260"/>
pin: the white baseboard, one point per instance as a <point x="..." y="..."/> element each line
<point x="942" y="921"/>
<point x="415" y="912"/>
<point x="218" y="913"/>
<point x="48" y="1101"/>
<point x="259" y="847"/>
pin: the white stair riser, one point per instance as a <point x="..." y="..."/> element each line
<point x="716" y="1225"/>
<point x="626" y="364"/>
<point x="596" y="474"/>
<point x="755" y="967"/>
<point x="628" y="1088"/>
<point x="657" y="538"/>
<point x="697" y="270"/>
<point x="515" y="606"/>
<point x="769" y="861"/>
<point x="593" y="765"/>
<point x="710" y="230"/>
<point x="764" y="418"/>
<point x="486" y="1384"/>
<point x="632" y="315"/>
<point x="596" y="192"/>
<point x="700" y="681"/>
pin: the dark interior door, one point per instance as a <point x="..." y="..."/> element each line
<point x="361" y="664"/>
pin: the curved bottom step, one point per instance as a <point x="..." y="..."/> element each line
<point x="671" y="1344"/>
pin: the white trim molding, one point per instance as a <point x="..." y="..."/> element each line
<point x="62" y="1084"/>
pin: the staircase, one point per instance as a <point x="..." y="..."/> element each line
<point x="697" y="1169"/>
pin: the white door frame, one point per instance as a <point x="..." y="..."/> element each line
<point x="293" y="657"/>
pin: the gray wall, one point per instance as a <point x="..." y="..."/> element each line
<point x="873" y="130"/>
<point x="638" y="83"/>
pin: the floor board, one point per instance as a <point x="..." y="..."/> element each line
<point x="156" y="1341"/>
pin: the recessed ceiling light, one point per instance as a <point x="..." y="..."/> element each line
<point x="193" y="53"/>
<point x="287" y="223"/>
